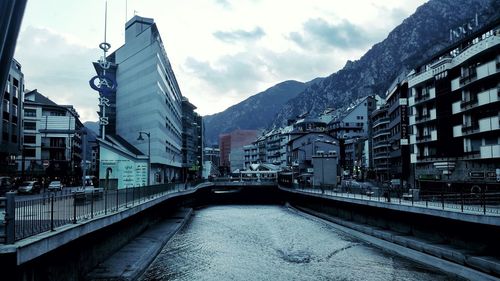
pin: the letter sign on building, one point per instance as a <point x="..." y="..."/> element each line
<point x="103" y="84"/>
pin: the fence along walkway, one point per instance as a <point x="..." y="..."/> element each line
<point x="25" y="218"/>
<point x="470" y="203"/>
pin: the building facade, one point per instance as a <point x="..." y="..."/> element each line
<point x="148" y="99"/>
<point x="52" y="138"/>
<point x="192" y="141"/>
<point x="454" y="101"/>
<point x="399" y="155"/>
<point x="235" y="140"/>
<point x="11" y="126"/>
<point x="352" y="130"/>
<point x="380" y="144"/>
<point x="12" y="14"/>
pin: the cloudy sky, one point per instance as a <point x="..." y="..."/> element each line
<point x="222" y="51"/>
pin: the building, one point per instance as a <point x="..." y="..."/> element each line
<point x="302" y="149"/>
<point x="251" y="153"/>
<point x="211" y="157"/>
<point x="11" y="126"/>
<point x="399" y="155"/>
<point x="455" y="109"/>
<point x="380" y="143"/>
<point x="12" y="14"/>
<point x="233" y="141"/>
<point x="147" y="99"/>
<point x="325" y="169"/>
<point x="352" y="130"/>
<point x="355" y="123"/>
<point x="192" y="144"/>
<point x="52" y="138"/>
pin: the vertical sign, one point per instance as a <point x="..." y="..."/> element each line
<point x="103" y="83"/>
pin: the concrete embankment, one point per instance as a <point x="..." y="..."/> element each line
<point x="453" y="261"/>
<point x="132" y="260"/>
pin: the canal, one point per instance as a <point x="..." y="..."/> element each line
<point x="274" y="243"/>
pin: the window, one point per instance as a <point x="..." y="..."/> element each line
<point x="29" y="125"/>
<point x="30" y="139"/>
<point x="6" y="106"/>
<point x="29" y="152"/>
<point x="57" y="113"/>
<point x="30" y="112"/>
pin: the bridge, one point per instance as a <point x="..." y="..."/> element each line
<point x="454" y="233"/>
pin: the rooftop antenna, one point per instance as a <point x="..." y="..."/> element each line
<point x="126" y="2"/>
<point x="105" y="22"/>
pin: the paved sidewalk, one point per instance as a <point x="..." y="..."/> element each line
<point x="491" y="210"/>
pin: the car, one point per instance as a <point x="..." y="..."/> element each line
<point x="29" y="187"/>
<point x="55" y="186"/>
<point x="5" y="185"/>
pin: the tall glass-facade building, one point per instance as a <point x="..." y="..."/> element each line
<point x="148" y="98"/>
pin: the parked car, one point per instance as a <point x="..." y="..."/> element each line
<point x="55" y="186"/>
<point x="29" y="187"/>
<point x="5" y="185"/>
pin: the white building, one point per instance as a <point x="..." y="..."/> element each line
<point x="148" y="98"/>
<point x="52" y="139"/>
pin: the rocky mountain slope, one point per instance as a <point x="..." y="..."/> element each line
<point x="256" y="112"/>
<point x="418" y="37"/>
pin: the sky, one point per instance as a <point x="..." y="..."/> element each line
<point x="221" y="51"/>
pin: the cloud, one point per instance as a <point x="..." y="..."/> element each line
<point x="228" y="75"/>
<point x="223" y="3"/>
<point x="58" y="68"/>
<point x="318" y="34"/>
<point x="240" y="35"/>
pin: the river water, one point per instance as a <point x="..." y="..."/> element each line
<point x="274" y="243"/>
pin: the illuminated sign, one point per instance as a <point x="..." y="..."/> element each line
<point x="464" y="29"/>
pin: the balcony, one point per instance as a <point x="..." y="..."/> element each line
<point x="381" y="134"/>
<point x="464" y="80"/>
<point x="490" y="151"/>
<point x="422" y="118"/>
<point x="466" y="104"/>
<point x="422" y="97"/>
<point x="381" y="121"/>
<point x="383" y="144"/>
<point x="381" y="155"/>
<point x="427" y="137"/>
<point x="470" y="128"/>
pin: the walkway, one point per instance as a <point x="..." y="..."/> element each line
<point x="435" y="203"/>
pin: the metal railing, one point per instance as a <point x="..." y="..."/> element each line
<point x="26" y="217"/>
<point x="485" y="203"/>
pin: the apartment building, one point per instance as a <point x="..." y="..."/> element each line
<point x="52" y="142"/>
<point x="380" y="143"/>
<point x="454" y="102"/>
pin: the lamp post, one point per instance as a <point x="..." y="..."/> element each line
<point x="149" y="150"/>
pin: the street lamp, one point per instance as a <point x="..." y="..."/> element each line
<point x="149" y="149"/>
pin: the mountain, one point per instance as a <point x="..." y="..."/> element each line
<point x="93" y="126"/>
<point x="418" y="37"/>
<point x="256" y="112"/>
